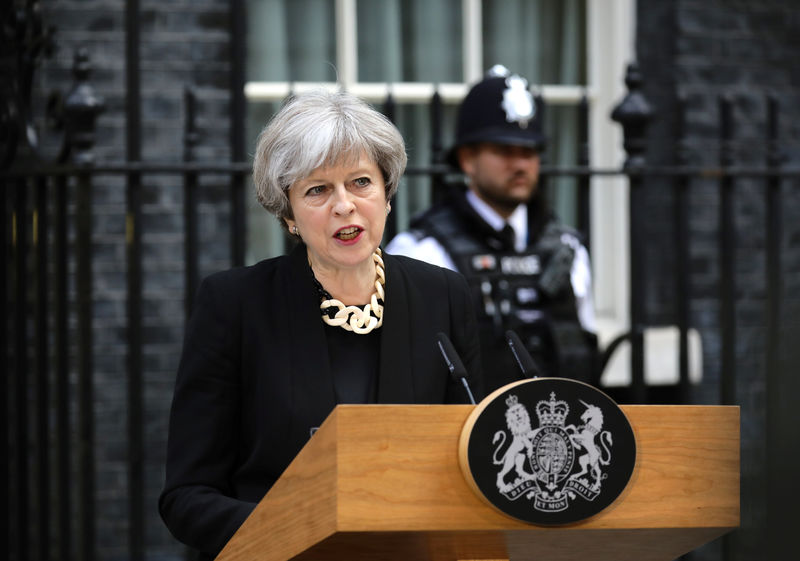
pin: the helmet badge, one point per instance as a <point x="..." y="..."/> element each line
<point x="518" y="101"/>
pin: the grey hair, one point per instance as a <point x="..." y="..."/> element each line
<point x="320" y="129"/>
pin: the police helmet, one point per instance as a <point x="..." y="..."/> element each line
<point x="499" y="109"/>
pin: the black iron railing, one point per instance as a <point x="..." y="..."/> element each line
<point x="48" y="421"/>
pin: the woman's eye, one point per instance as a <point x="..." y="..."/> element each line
<point x="362" y="181"/>
<point x="315" y="190"/>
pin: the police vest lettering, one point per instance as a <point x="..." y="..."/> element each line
<point x="527" y="265"/>
<point x="509" y="284"/>
<point x="529" y="292"/>
<point x="509" y="264"/>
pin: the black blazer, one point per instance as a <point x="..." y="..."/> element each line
<point x="254" y="378"/>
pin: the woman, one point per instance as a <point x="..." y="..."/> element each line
<point x="272" y="348"/>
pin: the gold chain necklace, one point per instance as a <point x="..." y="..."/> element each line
<point x="352" y="318"/>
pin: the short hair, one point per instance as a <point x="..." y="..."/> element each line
<point x="319" y="129"/>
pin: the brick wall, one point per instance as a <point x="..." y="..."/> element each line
<point x="701" y="50"/>
<point x="183" y="43"/>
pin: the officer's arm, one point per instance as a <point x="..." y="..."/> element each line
<point x="581" y="279"/>
<point x="425" y="249"/>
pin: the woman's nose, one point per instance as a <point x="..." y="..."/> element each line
<point x="343" y="202"/>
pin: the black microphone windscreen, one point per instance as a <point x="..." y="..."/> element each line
<point x="457" y="370"/>
<point x="451" y="357"/>
<point x="524" y="359"/>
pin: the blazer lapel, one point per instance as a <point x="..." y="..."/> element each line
<point x="395" y="379"/>
<point x="312" y="379"/>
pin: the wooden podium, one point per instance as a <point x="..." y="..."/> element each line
<point x="383" y="482"/>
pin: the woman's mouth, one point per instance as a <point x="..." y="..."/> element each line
<point x="349" y="233"/>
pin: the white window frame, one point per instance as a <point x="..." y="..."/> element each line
<point x="406" y="92"/>
<point x="611" y="39"/>
<point x="610" y="44"/>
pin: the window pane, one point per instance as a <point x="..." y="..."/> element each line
<point x="415" y="192"/>
<point x="409" y="40"/>
<point x="561" y="131"/>
<point x="543" y="40"/>
<point x="419" y="41"/>
<point x="265" y="235"/>
<point x="291" y="41"/>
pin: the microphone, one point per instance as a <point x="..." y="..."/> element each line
<point x="453" y="362"/>
<point x="524" y="359"/>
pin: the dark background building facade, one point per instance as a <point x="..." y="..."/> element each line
<point x="692" y="55"/>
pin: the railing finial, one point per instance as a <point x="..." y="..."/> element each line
<point x="634" y="114"/>
<point x="81" y="109"/>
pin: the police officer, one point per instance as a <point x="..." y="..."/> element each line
<point x="528" y="272"/>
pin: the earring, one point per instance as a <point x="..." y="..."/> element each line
<point x="295" y="231"/>
<point x="388" y="208"/>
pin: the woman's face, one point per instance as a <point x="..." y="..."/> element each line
<point x="340" y="213"/>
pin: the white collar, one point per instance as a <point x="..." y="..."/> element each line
<point x="518" y="219"/>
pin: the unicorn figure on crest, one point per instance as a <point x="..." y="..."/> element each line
<point x="584" y="438"/>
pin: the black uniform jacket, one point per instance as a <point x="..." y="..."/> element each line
<point x="254" y="379"/>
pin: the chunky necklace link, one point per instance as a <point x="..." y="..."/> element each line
<point x="352" y="318"/>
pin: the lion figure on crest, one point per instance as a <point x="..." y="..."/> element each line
<point x="519" y="424"/>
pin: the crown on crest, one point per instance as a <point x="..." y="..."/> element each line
<point x="511" y="401"/>
<point x="552" y="412"/>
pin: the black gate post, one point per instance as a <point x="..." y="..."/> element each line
<point x="584" y="179"/>
<point x="681" y="240"/>
<point x="781" y="382"/>
<point x="81" y="109"/>
<point x="727" y="252"/>
<point x="389" y="110"/>
<point x="134" y="301"/>
<point x="437" y="148"/>
<point x="19" y="241"/>
<point x="62" y="414"/>
<point x="238" y="35"/>
<point x="774" y="224"/>
<point x="190" y="139"/>
<point x="634" y="114"/>
<point x="5" y="365"/>
<point x="41" y="312"/>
